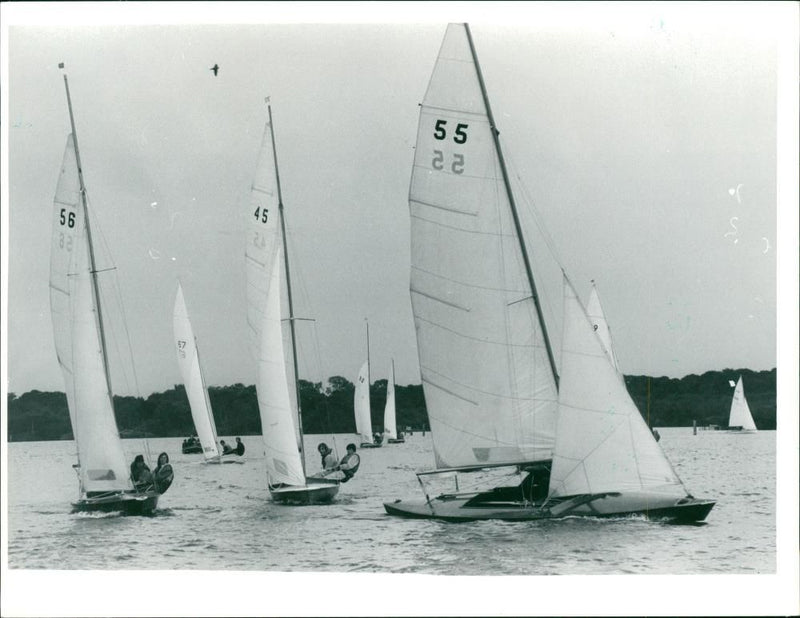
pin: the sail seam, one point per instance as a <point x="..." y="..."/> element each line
<point x="453" y="110"/>
<point x="470" y="213"/>
<point x="459" y="229"/>
<point x="475" y="287"/>
<point x="479" y="339"/>
<point x="260" y="190"/>
<point x="477" y="390"/>
<point x="255" y="261"/>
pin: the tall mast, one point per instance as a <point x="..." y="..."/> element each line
<point x="92" y="265"/>
<point x="288" y="290"/>
<point x="366" y="321"/>
<point x="523" y="248"/>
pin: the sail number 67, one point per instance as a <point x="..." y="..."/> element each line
<point x="459" y="135"/>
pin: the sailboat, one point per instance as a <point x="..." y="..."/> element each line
<point x="574" y="443"/>
<point x="105" y="482"/>
<point x="362" y="406"/>
<point x="194" y="381"/>
<point x="740" y="419"/>
<point x="268" y="286"/>
<point x="390" y="413"/>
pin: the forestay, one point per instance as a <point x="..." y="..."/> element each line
<point x="489" y="387"/>
<point x="78" y="340"/>
<point x="192" y="373"/>
<point x="740" y="412"/>
<point x="389" y="412"/>
<point x="362" y="405"/>
<point x="602" y="443"/>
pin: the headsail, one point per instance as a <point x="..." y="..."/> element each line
<point x="362" y="405"/>
<point x="740" y="412"/>
<point x="78" y="341"/>
<point x="602" y="441"/>
<point x="595" y="312"/>
<point x="389" y="412"/>
<point x="192" y="372"/>
<point x="489" y="386"/>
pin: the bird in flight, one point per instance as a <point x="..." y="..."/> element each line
<point x="215" y="68"/>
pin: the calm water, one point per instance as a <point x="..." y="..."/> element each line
<point x="220" y="517"/>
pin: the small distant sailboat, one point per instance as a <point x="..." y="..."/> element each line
<point x="194" y="381"/>
<point x="494" y="396"/>
<point x="105" y="482"/>
<point x="276" y="385"/>
<point x="740" y="419"/>
<point x="390" y="412"/>
<point x="362" y="406"/>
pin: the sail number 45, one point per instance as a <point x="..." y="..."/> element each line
<point x="261" y="214"/>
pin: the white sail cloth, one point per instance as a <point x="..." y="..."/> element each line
<point x="389" y="411"/>
<point x="740" y="415"/>
<point x="489" y="388"/>
<point x="76" y="328"/>
<point x="602" y="441"/>
<point x="192" y="373"/>
<point x="361" y="405"/>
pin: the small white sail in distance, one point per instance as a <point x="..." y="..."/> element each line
<point x="362" y="405"/>
<point x="193" y="380"/>
<point x="389" y="412"/>
<point x="740" y="415"/>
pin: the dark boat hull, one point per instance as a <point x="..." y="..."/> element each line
<point x="396" y="440"/>
<point x="317" y="491"/>
<point x="191" y="450"/>
<point x="128" y="503"/>
<point x="370" y="445"/>
<point x="458" y="509"/>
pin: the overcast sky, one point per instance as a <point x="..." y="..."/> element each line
<point x="642" y="138"/>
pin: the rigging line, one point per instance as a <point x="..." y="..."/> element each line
<point x="510" y="398"/>
<point x="528" y="346"/>
<point x="525" y="293"/>
<point x="456" y="228"/>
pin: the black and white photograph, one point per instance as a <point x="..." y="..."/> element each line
<point x="373" y="309"/>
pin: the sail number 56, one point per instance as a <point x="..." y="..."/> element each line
<point x="459" y="136"/>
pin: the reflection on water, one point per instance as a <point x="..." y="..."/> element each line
<point x="220" y="517"/>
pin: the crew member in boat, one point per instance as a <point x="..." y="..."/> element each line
<point x="377" y="438"/>
<point x="239" y="450"/>
<point x="227" y="449"/>
<point x="328" y="459"/>
<point x="140" y="472"/>
<point x="349" y="464"/>
<point x="163" y="473"/>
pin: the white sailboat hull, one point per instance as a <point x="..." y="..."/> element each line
<point x="317" y="491"/>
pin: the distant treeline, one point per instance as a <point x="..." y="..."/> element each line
<point x="663" y="402"/>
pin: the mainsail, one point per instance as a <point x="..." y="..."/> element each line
<point x="389" y="412"/>
<point x="192" y="372"/>
<point x="740" y="412"/>
<point x="362" y="405"/>
<point x="490" y="386"/>
<point x="602" y="441"/>
<point x="78" y="339"/>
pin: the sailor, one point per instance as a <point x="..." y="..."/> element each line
<point x="239" y="447"/>
<point x="140" y="473"/>
<point x="349" y="464"/>
<point x="226" y="449"/>
<point x="327" y="457"/>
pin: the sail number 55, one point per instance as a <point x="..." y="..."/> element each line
<point x="459" y="135"/>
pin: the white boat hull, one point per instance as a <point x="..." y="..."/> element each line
<point x="317" y="491"/>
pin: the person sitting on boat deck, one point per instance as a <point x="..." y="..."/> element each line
<point x="226" y="449"/>
<point x="163" y="459"/>
<point x="163" y="473"/>
<point x="239" y="447"/>
<point x="349" y="464"/>
<point x="140" y="473"/>
<point x="377" y="438"/>
<point x="329" y="461"/>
